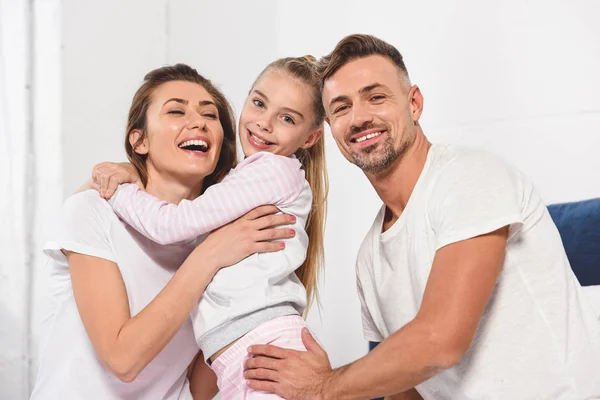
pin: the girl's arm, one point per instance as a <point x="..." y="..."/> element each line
<point x="203" y="381"/>
<point x="261" y="179"/>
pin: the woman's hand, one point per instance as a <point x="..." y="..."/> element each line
<point x="107" y="176"/>
<point x="255" y="232"/>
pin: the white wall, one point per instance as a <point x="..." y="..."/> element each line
<point x="31" y="177"/>
<point x="518" y="78"/>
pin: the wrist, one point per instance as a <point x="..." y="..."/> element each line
<point x="206" y="257"/>
<point x="330" y="389"/>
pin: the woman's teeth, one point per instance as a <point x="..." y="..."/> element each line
<point x="194" y="145"/>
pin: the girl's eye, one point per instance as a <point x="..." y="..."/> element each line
<point x="259" y="103"/>
<point x="289" y="119"/>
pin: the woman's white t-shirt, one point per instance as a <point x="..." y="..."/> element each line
<point x="69" y="367"/>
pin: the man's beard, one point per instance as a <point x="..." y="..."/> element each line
<point x="380" y="156"/>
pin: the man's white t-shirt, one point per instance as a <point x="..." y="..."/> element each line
<point x="69" y="367"/>
<point x="538" y="337"/>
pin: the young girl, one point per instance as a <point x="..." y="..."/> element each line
<point x="260" y="299"/>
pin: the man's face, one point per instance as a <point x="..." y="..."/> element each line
<point x="371" y="112"/>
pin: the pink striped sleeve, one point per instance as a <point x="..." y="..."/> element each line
<point x="261" y="179"/>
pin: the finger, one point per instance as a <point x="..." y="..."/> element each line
<point x="263" y="386"/>
<point x="96" y="172"/>
<point x="261" y="211"/>
<point x="260" y="362"/>
<point x="268" y="350"/>
<point x="113" y="183"/>
<point x="274" y="234"/>
<point x="262" y="374"/>
<point x="266" y="247"/>
<point x="270" y="221"/>
<point x="311" y="344"/>
<point x="104" y="178"/>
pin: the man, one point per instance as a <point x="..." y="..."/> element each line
<point x="462" y="276"/>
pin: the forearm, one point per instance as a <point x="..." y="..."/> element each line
<point x="407" y="358"/>
<point x="143" y="336"/>
<point x="411" y="394"/>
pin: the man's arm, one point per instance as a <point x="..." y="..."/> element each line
<point x="411" y="394"/>
<point x="461" y="281"/>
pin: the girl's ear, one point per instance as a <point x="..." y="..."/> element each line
<point x="312" y="138"/>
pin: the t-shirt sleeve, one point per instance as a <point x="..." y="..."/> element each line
<point x="370" y="330"/>
<point x="82" y="228"/>
<point x="475" y="194"/>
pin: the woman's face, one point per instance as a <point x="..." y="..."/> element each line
<point x="184" y="133"/>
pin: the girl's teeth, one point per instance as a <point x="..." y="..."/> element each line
<point x="369" y="136"/>
<point x="259" y="140"/>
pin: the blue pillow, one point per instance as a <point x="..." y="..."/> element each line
<point x="579" y="226"/>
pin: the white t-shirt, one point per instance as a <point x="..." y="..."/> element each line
<point x="69" y="367"/>
<point x="538" y="337"/>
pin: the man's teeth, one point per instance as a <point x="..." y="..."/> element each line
<point x="369" y="136"/>
<point x="193" y="143"/>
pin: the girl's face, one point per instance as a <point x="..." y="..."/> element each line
<point x="278" y="116"/>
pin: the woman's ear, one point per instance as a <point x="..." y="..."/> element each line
<point x="312" y="138"/>
<point x="140" y="147"/>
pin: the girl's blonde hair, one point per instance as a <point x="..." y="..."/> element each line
<point x="313" y="160"/>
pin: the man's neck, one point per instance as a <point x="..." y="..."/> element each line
<point x="171" y="189"/>
<point x="396" y="184"/>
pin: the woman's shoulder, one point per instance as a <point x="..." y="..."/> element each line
<point x="83" y="203"/>
<point x="86" y="209"/>
<point x="83" y="226"/>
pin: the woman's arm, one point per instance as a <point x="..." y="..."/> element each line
<point x="262" y="178"/>
<point x="125" y="343"/>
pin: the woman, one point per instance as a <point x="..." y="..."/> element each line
<point x="117" y="322"/>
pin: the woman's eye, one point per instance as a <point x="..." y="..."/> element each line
<point x="176" y="112"/>
<point x="211" y="116"/>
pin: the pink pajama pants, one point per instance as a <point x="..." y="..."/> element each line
<point x="229" y="366"/>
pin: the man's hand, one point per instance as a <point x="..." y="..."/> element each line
<point x="291" y="374"/>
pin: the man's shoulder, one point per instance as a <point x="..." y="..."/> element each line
<point x="461" y="164"/>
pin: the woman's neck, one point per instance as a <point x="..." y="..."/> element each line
<point x="172" y="189"/>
